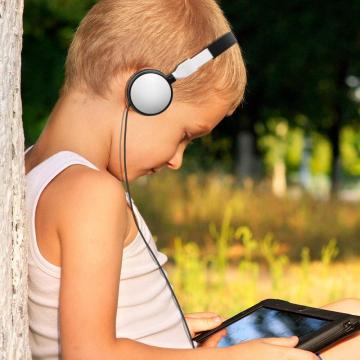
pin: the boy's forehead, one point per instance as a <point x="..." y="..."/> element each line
<point x="198" y="129"/>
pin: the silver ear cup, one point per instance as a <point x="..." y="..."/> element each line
<point x="149" y="92"/>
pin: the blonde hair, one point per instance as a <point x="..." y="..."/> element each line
<point x="127" y="35"/>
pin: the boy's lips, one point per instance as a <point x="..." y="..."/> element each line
<point x="154" y="170"/>
<point x="151" y="171"/>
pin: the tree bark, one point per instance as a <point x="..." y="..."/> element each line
<point x="279" y="185"/>
<point x="14" y="343"/>
<point x="337" y="123"/>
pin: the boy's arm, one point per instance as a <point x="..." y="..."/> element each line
<point x="133" y="350"/>
<point x="92" y="223"/>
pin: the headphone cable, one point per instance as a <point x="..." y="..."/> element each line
<point x="188" y="333"/>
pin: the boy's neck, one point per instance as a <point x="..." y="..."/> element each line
<point x="81" y="124"/>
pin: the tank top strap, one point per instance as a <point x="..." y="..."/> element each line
<point x="47" y="170"/>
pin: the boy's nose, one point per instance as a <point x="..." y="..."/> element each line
<point x="176" y="161"/>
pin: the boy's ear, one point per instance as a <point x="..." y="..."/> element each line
<point x="149" y="92"/>
<point x="120" y="81"/>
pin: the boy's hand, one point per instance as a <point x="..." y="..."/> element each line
<point x="202" y="321"/>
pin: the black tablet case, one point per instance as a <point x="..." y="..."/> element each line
<point x="341" y="324"/>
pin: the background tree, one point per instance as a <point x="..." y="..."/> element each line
<point x="13" y="240"/>
<point x="298" y="55"/>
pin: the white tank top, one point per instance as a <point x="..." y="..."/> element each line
<point x="146" y="311"/>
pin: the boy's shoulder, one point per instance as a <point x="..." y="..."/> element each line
<point x="80" y="182"/>
<point x="82" y="189"/>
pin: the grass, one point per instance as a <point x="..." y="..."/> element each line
<point x="230" y="247"/>
<point x="214" y="282"/>
<point x="176" y="205"/>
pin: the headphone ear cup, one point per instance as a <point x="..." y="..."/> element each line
<point x="149" y="92"/>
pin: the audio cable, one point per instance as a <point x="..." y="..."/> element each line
<point x="126" y="111"/>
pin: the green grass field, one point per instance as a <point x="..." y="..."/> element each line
<point x="210" y="283"/>
<point x="230" y="247"/>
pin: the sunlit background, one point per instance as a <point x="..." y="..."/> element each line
<point x="267" y="205"/>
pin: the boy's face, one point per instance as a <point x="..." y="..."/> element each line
<point x="155" y="142"/>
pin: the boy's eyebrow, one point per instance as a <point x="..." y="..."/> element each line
<point x="231" y="111"/>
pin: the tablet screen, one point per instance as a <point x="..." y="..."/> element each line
<point x="266" y="322"/>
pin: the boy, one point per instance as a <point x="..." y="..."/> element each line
<point x="112" y="302"/>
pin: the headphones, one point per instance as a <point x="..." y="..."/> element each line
<point x="149" y="91"/>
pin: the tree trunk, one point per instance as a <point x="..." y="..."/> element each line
<point x="247" y="155"/>
<point x="334" y="136"/>
<point x="14" y="326"/>
<point x="279" y="179"/>
<point x="340" y="95"/>
<point x="246" y="159"/>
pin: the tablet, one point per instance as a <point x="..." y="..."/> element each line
<point x="316" y="328"/>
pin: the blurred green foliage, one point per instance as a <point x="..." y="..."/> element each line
<point x="178" y="204"/>
<point x="48" y="28"/>
<point x="298" y="55"/>
<point x="248" y="279"/>
<point x="350" y="148"/>
<point x="281" y="143"/>
<point x="320" y="162"/>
